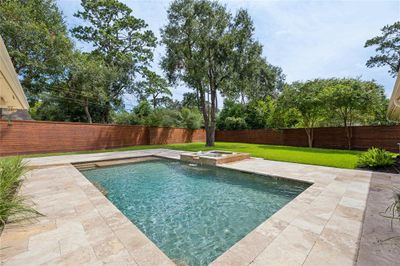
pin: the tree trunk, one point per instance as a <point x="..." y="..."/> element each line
<point x="211" y="134"/>
<point x="106" y="113"/>
<point x="349" y="136"/>
<point x="86" y="108"/>
<point x="208" y="110"/>
<point x="198" y="99"/>
<point x="348" y="131"/>
<point x="310" y="136"/>
<point x="203" y="107"/>
<point x="154" y="102"/>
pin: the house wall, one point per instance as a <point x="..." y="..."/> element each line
<point x="11" y="92"/>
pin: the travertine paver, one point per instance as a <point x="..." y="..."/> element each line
<point x="375" y="248"/>
<point x="80" y="225"/>
<point x="322" y="226"/>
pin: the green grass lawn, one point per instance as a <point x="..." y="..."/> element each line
<point x="315" y="156"/>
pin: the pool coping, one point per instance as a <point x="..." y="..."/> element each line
<point x="313" y="227"/>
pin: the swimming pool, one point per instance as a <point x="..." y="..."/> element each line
<point x="192" y="213"/>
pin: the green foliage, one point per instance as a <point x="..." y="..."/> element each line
<point x="115" y="33"/>
<point x="78" y="97"/>
<point x="258" y="113"/>
<point x="165" y="118"/>
<point x="36" y="38"/>
<point x="120" y="39"/>
<point x="13" y="207"/>
<point x="59" y="81"/>
<point x="253" y="115"/>
<point x="155" y="87"/>
<point x="235" y="123"/>
<point x="231" y="109"/>
<point x="192" y="118"/>
<point x="283" y="117"/>
<point x="352" y="100"/>
<point x="138" y="116"/>
<point x="143" y="109"/>
<point x="253" y="78"/>
<point x="203" y="42"/>
<point x="376" y="158"/>
<point x="190" y="100"/>
<point x="161" y="117"/>
<point x="125" y="118"/>
<point x="174" y="118"/>
<point x="388" y="49"/>
<point x="306" y="99"/>
<point x="329" y="102"/>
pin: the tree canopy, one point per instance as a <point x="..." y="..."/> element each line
<point x="154" y="87"/>
<point x="387" y="48"/>
<point x="36" y="38"/>
<point x="208" y="50"/>
<point x="211" y="51"/>
<point x="121" y="39"/>
<point x="306" y="99"/>
<point x="351" y="101"/>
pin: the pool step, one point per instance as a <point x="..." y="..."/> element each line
<point x="86" y="166"/>
<point x="97" y="164"/>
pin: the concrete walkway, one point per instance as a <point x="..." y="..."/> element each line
<point x="322" y="226"/>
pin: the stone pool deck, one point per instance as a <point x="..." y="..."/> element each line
<point x="335" y="221"/>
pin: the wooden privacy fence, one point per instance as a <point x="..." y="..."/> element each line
<point x="27" y="137"/>
<point x="363" y="137"/>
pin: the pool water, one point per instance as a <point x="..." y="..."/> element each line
<point x="192" y="213"/>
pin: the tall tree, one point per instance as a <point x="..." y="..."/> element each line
<point x="78" y="96"/>
<point x="153" y="86"/>
<point x="190" y="100"/>
<point x="196" y="40"/>
<point x="253" y="78"/>
<point x="120" y="39"/>
<point x="352" y="100"/>
<point x="36" y="38"/>
<point x="83" y="87"/>
<point x="388" y="49"/>
<point x="200" y="40"/>
<point x="306" y="99"/>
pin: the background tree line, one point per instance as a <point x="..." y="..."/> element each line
<point x="208" y="49"/>
<point x="316" y="103"/>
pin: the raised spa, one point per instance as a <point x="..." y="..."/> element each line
<point x="193" y="213"/>
<point x="213" y="157"/>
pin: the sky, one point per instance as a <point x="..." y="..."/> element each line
<point x="307" y="39"/>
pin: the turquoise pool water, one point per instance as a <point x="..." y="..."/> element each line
<point x="193" y="214"/>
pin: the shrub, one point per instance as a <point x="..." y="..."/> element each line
<point x="192" y="118"/>
<point x="235" y="123"/>
<point x="376" y="158"/>
<point x="165" y="118"/>
<point x="257" y="114"/>
<point x="12" y="205"/>
<point x="125" y="118"/>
